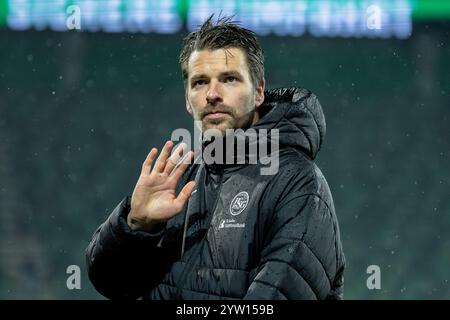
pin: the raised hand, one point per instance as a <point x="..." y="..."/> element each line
<point x="154" y="199"/>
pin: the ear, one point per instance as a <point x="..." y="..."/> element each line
<point x="259" y="94"/>
<point x="188" y="106"/>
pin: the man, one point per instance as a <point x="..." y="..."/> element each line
<point x="241" y="234"/>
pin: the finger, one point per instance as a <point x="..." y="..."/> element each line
<point x="161" y="161"/>
<point x="182" y="166"/>
<point x="185" y="193"/>
<point x="174" y="158"/>
<point x="147" y="164"/>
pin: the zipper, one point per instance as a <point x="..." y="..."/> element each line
<point x="190" y="265"/>
<point x="210" y="231"/>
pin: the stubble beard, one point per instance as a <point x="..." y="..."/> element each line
<point x="229" y="122"/>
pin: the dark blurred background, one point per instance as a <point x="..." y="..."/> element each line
<point x="80" y="109"/>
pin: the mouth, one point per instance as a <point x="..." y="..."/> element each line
<point x="216" y="115"/>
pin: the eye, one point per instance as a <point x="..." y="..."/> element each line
<point x="199" y="83"/>
<point x="230" y="79"/>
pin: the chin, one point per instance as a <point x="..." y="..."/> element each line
<point x="221" y="126"/>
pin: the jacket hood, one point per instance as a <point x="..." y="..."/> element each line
<point x="298" y="115"/>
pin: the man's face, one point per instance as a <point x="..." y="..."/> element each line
<point x="220" y="92"/>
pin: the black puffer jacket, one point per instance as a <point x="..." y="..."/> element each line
<point x="242" y="235"/>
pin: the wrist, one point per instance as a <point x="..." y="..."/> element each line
<point x="136" y="225"/>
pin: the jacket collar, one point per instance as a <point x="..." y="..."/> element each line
<point x="294" y="112"/>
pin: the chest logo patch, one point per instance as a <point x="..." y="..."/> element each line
<point x="239" y="203"/>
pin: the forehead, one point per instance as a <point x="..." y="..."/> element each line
<point x="217" y="61"/>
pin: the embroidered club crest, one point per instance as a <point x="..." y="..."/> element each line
<point x="239" y="203"/>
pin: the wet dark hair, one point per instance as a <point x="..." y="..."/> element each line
<point x="224" y="34"/>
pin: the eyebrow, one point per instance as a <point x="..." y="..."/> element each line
<point x="233" y="73"/>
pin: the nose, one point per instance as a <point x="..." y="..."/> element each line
<point x="213" y="95"/>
